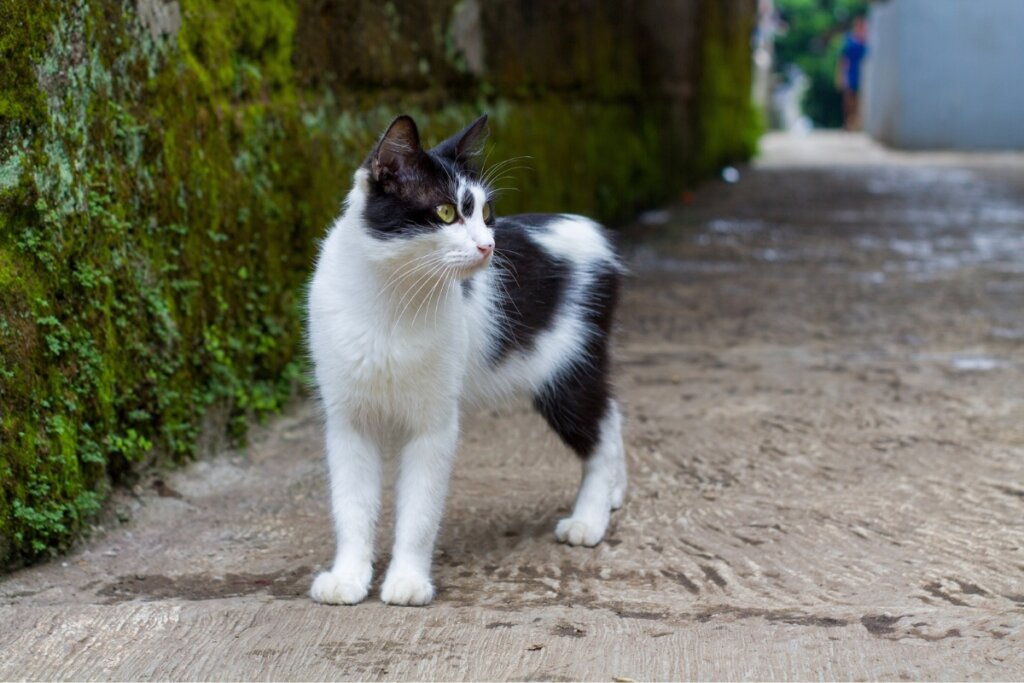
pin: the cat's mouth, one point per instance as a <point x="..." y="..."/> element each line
<point x="468" y="268"/>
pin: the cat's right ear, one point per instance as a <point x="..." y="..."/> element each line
<point x="465" y="145"/>
<point x="397" y="156"/>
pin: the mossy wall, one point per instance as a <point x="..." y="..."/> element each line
<point x="166" y="170"/>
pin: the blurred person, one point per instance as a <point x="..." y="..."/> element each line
<point x="848" y="71"/>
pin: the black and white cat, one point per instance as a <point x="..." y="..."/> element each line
<point x="424" y="302"/>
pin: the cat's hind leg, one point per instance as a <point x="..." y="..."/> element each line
<point x="588" y="420"/>
<point x="621" y="476"/>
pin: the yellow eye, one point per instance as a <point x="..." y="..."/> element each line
<point x="445" y="212"/>
<point x="487" y="211"/>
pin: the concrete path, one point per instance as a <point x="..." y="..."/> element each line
<point x="822" y="369"/>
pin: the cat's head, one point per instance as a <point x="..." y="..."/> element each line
<point x="428" y="206"/>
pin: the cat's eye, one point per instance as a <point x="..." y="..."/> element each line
<point x="445" y="212"/>
<point x="487" y="211"/>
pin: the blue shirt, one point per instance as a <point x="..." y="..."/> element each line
<point x="854" y="51"/>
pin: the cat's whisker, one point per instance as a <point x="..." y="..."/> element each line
<point x="496" y="183"/>
<point x="422" y="281"/>
<point x="511" y="180"/>
<point x="514" y="279"/>
<point x="413" y="266"/>
<point x="508" y="168"/>
<point x="412" y="291"/>
<point x="444" y="295"/>
<point x="453" y="184"/>
<point x="489" y="173"/>
<point x="509" y="173"/>
<point x="496" y="189"/>
<point x="416" y="264"/>
<point x="504" y="253"/>
<point x="442" y="282"/>
<point x="408" y="272"/>
<point x="483" y="164"/>
<point x="508" y="296"/>
<point x="502" y="259"/>
<point x="509" y="268"/>
<point x="424" y="303"/>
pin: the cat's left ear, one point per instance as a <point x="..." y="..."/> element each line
<point x="465" y="146"/>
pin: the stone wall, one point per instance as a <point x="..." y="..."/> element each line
<point x="167" y="167"/>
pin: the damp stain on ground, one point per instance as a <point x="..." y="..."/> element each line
<point x="291" y="583"/>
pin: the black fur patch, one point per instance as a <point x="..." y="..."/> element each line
<point x="467" y="205"/>
<point x="391" y="216"/>
<point x="533" y="279"/>
<point x="575" y="402"/>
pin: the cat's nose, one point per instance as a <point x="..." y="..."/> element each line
<point x="485" y="249"/>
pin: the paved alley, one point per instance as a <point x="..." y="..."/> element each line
<point x="822" y="373"/>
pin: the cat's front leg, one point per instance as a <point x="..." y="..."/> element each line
<point x="354" y="464"/>
<point x="422" y="486"/>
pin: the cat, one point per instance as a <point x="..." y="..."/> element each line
<point x="424" y="302"/>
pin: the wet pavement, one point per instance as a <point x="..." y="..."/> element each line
<point x="822" y="371"/>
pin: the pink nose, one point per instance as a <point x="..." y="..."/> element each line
<point x="485" y="249"/>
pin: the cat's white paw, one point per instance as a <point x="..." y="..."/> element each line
<point x="341" y="587"/>
<point x="406" y="588"/>
<point x="580" y="531"/>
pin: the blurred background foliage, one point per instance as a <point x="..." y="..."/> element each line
<point x="811" y="37"/>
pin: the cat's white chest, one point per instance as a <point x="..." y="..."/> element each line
<point x="385" y="372"/>
<point x="390" y="361"/>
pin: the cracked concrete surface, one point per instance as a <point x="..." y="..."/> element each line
<point x="821" y="369"/>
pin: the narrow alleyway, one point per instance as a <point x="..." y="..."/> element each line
<point x="822" y="370"/>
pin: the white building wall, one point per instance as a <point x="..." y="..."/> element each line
<point x="946" y="74"/>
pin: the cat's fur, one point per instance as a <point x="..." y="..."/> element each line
<point x="412" y="319"/>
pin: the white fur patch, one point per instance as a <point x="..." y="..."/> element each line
<point x="576" y="238"/>
<point x="479" y="199"/>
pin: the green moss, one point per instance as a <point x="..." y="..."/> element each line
<point x="616" y="159"/>
<point x="134" y="324"/>
<point x="26" y="26"/>
<point x="728" y="124"/>
<point x="161" y="201"/>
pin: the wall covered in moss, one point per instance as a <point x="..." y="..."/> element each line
<point x="166" y="168"/>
